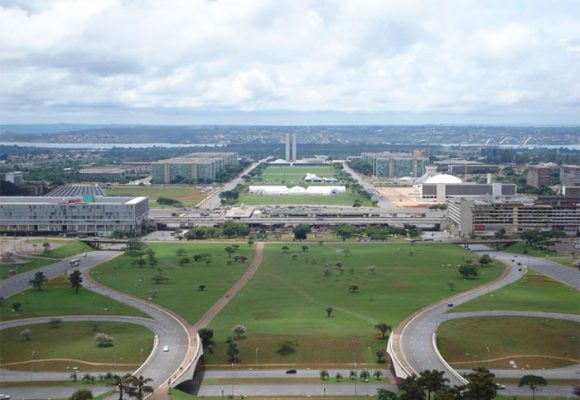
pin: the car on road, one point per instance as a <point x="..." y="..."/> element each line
<point x="500" y="386"/>
<point x="4" y="397"/>
<point x="449" y="304"/>
<point x="291" y="371"/>
<point x="166" y="348"/>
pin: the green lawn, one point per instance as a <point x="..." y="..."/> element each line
<point x="75" y="341"/>
<point x="65" y="249"/>
<point x="500" y="340"/>
<point x="188" y="196"/>
<point x="287" y="298"/>
<point x="292" y="175"/>
<point x="522" y="248"/>
<point x="57" y="298"/>
<point x="342" y="199"/>
<point x="534" y="292"/>
<point x="181" y="293"/>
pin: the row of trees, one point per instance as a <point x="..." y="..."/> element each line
<point x="75" y="278"/>
<point x="375" y="232"/>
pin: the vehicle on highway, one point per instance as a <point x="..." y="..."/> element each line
<point x="4" y="397"/>
<point x="291" y="371"/>
<point x="165" y="348"/>
<point x="500" y="386"/>
<point x="449" y="304"/>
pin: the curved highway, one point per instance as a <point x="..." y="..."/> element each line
<point x="413" y="340"/>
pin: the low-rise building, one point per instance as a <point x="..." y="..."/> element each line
<point x="513" y="213"/>
<point x="193" y="168"/>
<point x="15" y="177"/>
<point x="91" y="215"/>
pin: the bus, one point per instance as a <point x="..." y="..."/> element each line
<point x="75" y="263"/>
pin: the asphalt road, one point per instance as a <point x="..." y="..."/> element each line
<point x="417" y="336"/>
<point x="383" y="202"/>
<point x="161" y="365"/>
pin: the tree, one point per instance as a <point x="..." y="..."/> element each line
<point x="122" y="384"/>
<point x="139" y="387"/>
<point x="329" y="311"/>
<point x="383" y="328"/>
<point x="183" y="261"/>
<point x="481" y="385"/>
<point x="346" y="231"/>
<point x="485" y="260"/>
<point x="81" y="394"/>
<point x="76" y="280"/>
<point x="46" y="246"/>
<point x="201" y="288"/>
<point x="324" y="375"/>
<point x="233" y="352"/>
<point x="304" y="248"/>
<point x="285" y="249"/>
<point x="451" y="286"/>
<point x="501" y="234"/>
<point x="181" y="252"/>
<point x="365" y="375"/>
<point x="432" y="381"/>
<point x="377" y="374"/>
<point x="26" y="334"/>
<point x="346" y="252"/>
<point x="153" y="293"/>
<point x="338" y="377"/>
<point x="38" y="280"/>
<point x="230" y="250"/>
<point x="534" y="382"/>
<point x="468" y="271"/>
<point x="206" y="336"/>
<point x="301" y="231"/>
<point x="353" y="288"/>
<point x="239" y="330"/>
<point x="159" y="278"/>
<point x="16" y="306"/>
<point x="286" y="347"/>
<point x="413" y="389"/>
<point x="104" y="340"/>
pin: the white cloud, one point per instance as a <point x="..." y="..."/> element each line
<point x="69" y="58"/>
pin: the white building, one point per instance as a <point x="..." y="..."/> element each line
<point x="91" y="215"/>
<point x="274" y="190"/>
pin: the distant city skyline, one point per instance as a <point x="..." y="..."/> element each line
<point x="302" y="62"/>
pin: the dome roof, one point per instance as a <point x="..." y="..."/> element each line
<point x="443" y="178"/>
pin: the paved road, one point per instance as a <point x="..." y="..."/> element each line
<point x="416" y="338"/>
<point x="383" y="202"/>
<point x="172" y="332"/>
<point x="296" y="389"/>
<point x="567" y="275"/>
<point x="20" y="282"/>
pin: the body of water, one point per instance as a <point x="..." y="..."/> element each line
<point x="103" y="146"/>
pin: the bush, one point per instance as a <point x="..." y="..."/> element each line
<point x="104" y="340"/>
<point x="81" y="394"/>
<point x="286" y="348"/>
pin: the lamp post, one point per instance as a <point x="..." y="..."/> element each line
<point x="355" y="373"/>
<point x="487" y="347"/>
<point x="232" y="380"/>
<point x="257" y="348"/>
<point x="31" y="359"/>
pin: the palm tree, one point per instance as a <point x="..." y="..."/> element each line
<point x="432" y="381"/>
<point x="140" y="388"/>
<point x="384" y="328"/>
<point x="122" y="384"/>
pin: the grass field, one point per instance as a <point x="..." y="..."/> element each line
<point x="522" y="247"/>
<point x="534" y="292"/>
<point x="181" y="293"/>
<point x="493" y="342"/>
<point x="292" y="175"/>
<point x="57" y="298"/>
<point x="287" y="298"/>
<point x="65" y="249"/>
<point x="342" y="199"/>
<point x="75" y="341"/>
<point x="188" y="196"/>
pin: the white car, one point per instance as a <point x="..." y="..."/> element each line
<point x="165" y="348"/>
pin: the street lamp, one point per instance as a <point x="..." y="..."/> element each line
<point x="487" y="347"/>
<point x="31" y="359"/>
<point x="257" y="348"/>
<point x="232" y="380"/>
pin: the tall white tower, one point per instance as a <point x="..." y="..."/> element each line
<point x="288" y="147"/>
<point x="294" y="147"/>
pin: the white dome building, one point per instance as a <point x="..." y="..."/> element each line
<point x="443" y="178"/>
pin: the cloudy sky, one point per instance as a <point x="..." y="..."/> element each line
<point x="290" y="61"/>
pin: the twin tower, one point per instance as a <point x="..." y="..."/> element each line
<point x="291" y="148"/>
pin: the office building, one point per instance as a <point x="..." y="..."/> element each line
<point x="396" y="165"/>
<point x="16" y="177"/>
<point x="570" y="175"/>
<point x="514" y="214"/>
<point x="291" y="147"/>
<point x="88" y="215"/>
<point x="539" y="176"/>
<point x="193" y="168"/>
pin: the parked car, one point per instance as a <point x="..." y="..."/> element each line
<point x="291" y="371"/>
<point x="165" y="348"/>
